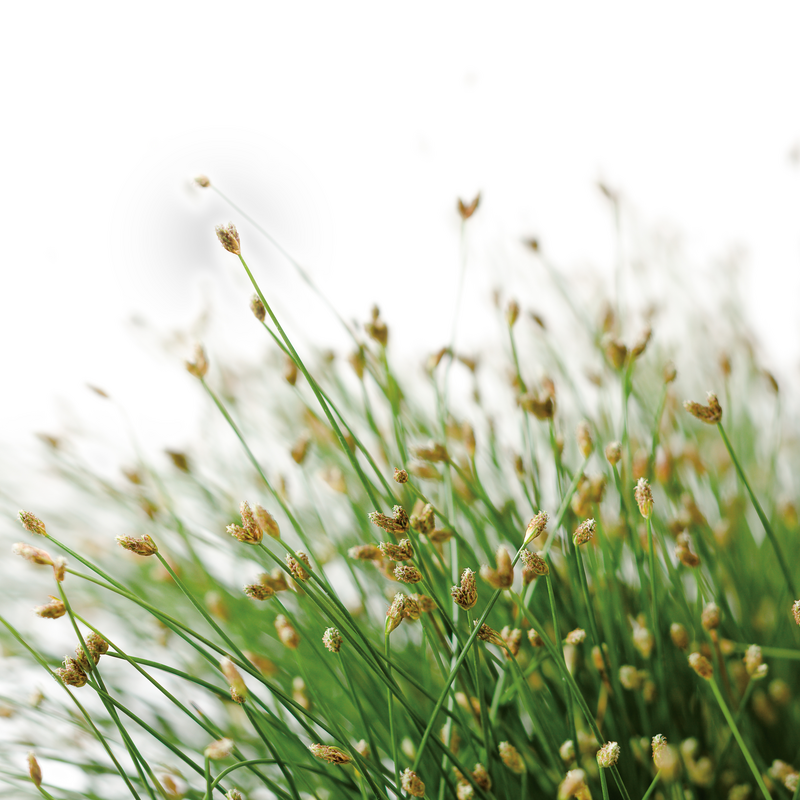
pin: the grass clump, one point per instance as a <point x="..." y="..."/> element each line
<point x="593" y="595"/>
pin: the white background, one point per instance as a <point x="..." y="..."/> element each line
<point x="349" y="130"/>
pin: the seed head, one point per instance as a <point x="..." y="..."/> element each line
<point x="259" y="591"/>
<point x="52" y="610"/>
<point x="796" y="611"/>
<point x="397" y="552"/>
<point x="510" y="756"/>
<point x="535" y="639"/>
<point x="465" y="595"/>
<point x="573" y="785"/>
<point x="433" y="452"/>
<point x="710" y="414"/>
<point x="412" y="784"/>
<point x="643" y="640"/>
<point x="31" y="523"/>
<point x="644" y="498"/>
<point x="400" y="476"/>
<point x="701" y="665"/>
<point x="512" y="313"/>
<point x="426" y="604"/>
<point x="424" y="521"/>
<point x="34" y="770"/>
<point x="503" y="576"/>
<point x="535" y="565"/>
<point x="234" y="794"/>
<point x="576" y="637"/>
<point x="333" y="755"/>
<point x="481" y="777"/>
<point x="630" y="677"/>
<point x="536" y="527"/>
<point x="258" y="308"/>
<point x="198" y="367"/>
<point x="541" y="405"/>
<point x="512" y="638"/>
<point x="33" y="554"/>
<point x="608" y="755"/>
<point x="466" y="210"/>
<point x="407" y="573"/>
<point x="286" y="633"/>
<point x="276" y="580"/>
<point x="396" y="524"/>
<point x="490" y="635"/>
<point x="203" y="181"/>
<point x="235" y="680"/>
<point x="615" y="350"/>
<point x="365" y="552"/>
<point x="332" y="640"/>
<point x="395" y="612"/>
<point x="584" y="437"/>
<point x="71" y="673"/>
<point x="613" y="453"/>
<point x="670" y="373"/>
<point x="710" y="618"/>
<point x="679" y="635"/>
<point x="229" y="238"/>
<point x="219" y="749"/>
<point x="583" y="532"/>
<point x="266" y="522"/>
<point x="753" y="659"/>
<point x="684" y="552"/>
<point x="567" y="751"/>
<point x="298" y="573"/>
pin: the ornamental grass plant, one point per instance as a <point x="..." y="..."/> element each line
<point x="590" y="590"/>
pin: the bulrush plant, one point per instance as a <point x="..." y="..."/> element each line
<point x="383" y="640"/>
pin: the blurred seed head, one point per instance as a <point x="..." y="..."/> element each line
<point x="701" y="665"/>
<point x="510" y="756"/>
<point x="412" y="783"/>
<point x="198" y="367"/>
<point x="332" y="640"/>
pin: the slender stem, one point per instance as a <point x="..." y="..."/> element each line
<point x="392" y="731"/>
<point x="652" y="787"/>
<point x="604" y="783"/>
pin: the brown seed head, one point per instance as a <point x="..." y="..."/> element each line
<point x="397" y="524"/>
<point x="465" y="595"/>
<point x="466" y="210"/>
<point x="235" y="680"/>
<point x="203" y="181"/>
<point x="219" y="749"/>
<point x="397" y="552"/>
<point x="536" y="527"/>
<point x="684" y="552"/>
<point x="753" y="659"/>
<point x="512" y="313"/>
<point x="512" y="638"/>
<point x="229" y="238"/>
<point x="32" y="524"/>
<point x="424" y="521"/>
<point x="286" y="633"/>
<point x="426" y="604"/>
<point x="644" y="498"/>
<point x="679" y="635"/>
<point x="258" y="308"/>
<point x="710" y="414"/>
<point x="365" y="552"/>
<point x="259" y="591"/>
<point x="432" y="452"/>
<point x="576" y="637"/>
<point x="395" y="612"/>
<point x="510" y="756"/>
<point x="412" y="610"/>
<point x="481" y="777"/>
<point x="535" y="565"/>
<point x="503" y="576"/>
<point x="630" y="677"/>
<point x="701" y="665"/>
<point x="332" y="640"/>
<point x="541" y="405"/>
<point x="613" y="453"/>
<point x="198" y="367"/>
<point x="535" y="639"/>
<point x="52" y="610"/>
<point x="608" y="755"/>
<point x="583" y="532"/>
<point x="333" y="755"/>
<point x="670" y="373"/>
<point x="33" y="554"/>
<point x="295" y="566"/>
<point x="275" y="580"/>
<point x="71" y="673"/>
<point x="574" y="785"/>
<point x="34" y="770"/>
<point x="411" y="782"/>
<point x="377" y="329"/>
<point x="710" y="617"/>
<point x="490" y="635"/>
<point x="407" y="573"/>
<point x="584" y="437"/>
<point x="400" y="476"/>
<point x="266" y="522"/>
<point x="615" y="351"/>
<point x="643" y="640"/>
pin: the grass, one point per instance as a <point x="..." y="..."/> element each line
<point x="403" y="629"/>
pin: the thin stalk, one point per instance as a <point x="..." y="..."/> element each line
<point x="392" y="731"/>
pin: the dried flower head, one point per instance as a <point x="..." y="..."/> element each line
<point x="426" y="604"/>
<point x="229" y="238"/>
<point x="490" y="635"/>
<point x="574" y="785"/>
<point x="710" y="616"/>
<point x="52" y="610"/>
<point x="630" y="677"/>
<point x="259" y="591"/>
<point x="567" y="751"/>
<point x="365" y="552"/>
<point x="679" y="635"/>
<point x="202" y="181"/>
<point x="424" y="521"/>
<point x="684" y="552"/>
<point x="608" y="755"/>
<point x="466" y="595"/>
<point x="258" y="308"/>
<point x="512" y="638"/>
<point x="615" y="350"/>
<point x="466" y="210"/>
<point x="753" y="659"/>
<point x="503" y="576"/>
<point x="294" y="564"/>
<point x="71" y="673"/>
<point x="644" y="498"/>
<point x="198" y="367"/>
<point x="142" y="547"/>
<point x="643" y="640"/>
<point x="412" y="784"/>
<point x="407" y="573"/>
<point x="397" y="552"/>
<point x="396" y="524"/>
<point x="535" y="639"/>
<point x="510" y="756"/>
<point x="433" y="452"/>
<point x="400" y="476"/>
<point x="701" y="665"/>
<point x="613" y="453"/>
<point x="267" y="524"/>
<point x="286" y="632"/>
<point x="710" y="414"/>
<point x="536" y="527"/>
<point x="512" y="313"/>
<point x="34" y="770"/>
<point x="32" y="524"/>
<point x="576" y="637"/>
<point x="219" y="749"/>
<point x="33" y="554"/>
<point x="584" y="437"/>
<point x="481" y="777"/>
<point x="541" y="405"/>
<point x="412" y="610"/>
<point x="332" y="640"/>
<point x="235" y="680"/>
<point x="394" y="614"/>
<point x="333" y="755"/>
<point x="276" y="580"/>
<point x="583" y="532"/>
<point x="535" y="565"/>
